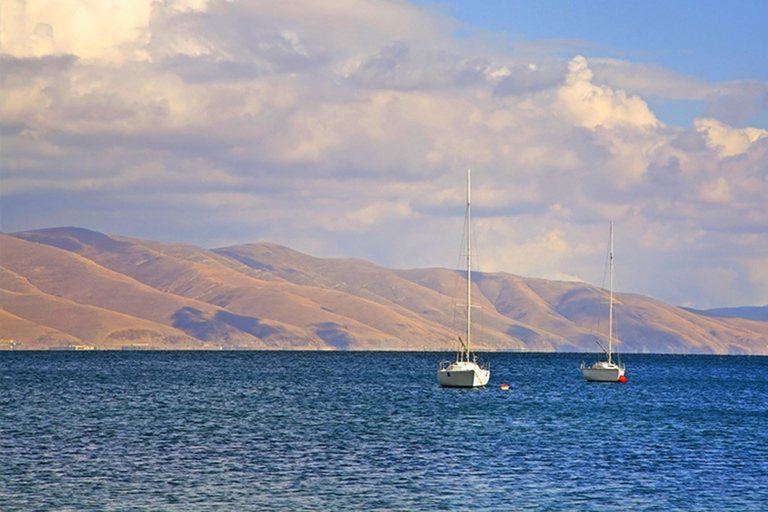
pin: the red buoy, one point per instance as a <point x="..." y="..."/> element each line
<point x="505" y="386"/>
<point x="622" y="378"/>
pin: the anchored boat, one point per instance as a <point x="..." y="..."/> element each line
<point x="608" y="370"/>
<point x="465" y="371"/>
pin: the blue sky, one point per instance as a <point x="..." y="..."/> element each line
<point x="716" y="41"/>
<point x="344" y="128"/>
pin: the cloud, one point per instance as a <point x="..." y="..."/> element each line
<point x="104" y="31"/>
<point x="344" y="128"/>
<point x="734" y="102"/>
<point x="727" y="141"/>
<point x="648" y="79"/>
<point x="374" y="213"/>
<point x="398" y="67"/>
<point x="542" y="255"/>
<point x="593" y="105"/>
<point x="531" y="78"/>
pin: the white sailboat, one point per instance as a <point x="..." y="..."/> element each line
<point x="465" y="372"/>
<point x="608" y="370"/>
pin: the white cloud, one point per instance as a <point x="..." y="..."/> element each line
<point x="506" y="248"/>
<point x="592" y="105"/>
<point x="104" y="31"/>
<point x="346" y="127"/>
<point x="727" y="141"/>
<point x="731" y="102"/>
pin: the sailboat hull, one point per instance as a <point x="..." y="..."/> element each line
<point x="462" y="375"/>
<point x="602" y="372"/>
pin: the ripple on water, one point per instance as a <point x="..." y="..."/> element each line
<point x="362" y="431"/>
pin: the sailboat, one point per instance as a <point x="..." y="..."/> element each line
<point x="608" y="370"/>
<point x="465" y="372"/>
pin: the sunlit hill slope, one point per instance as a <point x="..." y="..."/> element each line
<point x="67" y="287"/>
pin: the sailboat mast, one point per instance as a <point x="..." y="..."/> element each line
<point x="469" y="265"/>
<point x="610" y="298"/>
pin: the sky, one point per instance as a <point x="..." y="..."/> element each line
<point x="344" y="128"/>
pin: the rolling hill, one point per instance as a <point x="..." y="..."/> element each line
<point x="64" y="287"/>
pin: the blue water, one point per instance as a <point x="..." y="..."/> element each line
<point x="260" y="431"/>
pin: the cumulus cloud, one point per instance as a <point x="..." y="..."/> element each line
<point x="345" y="129"/>
<point x="733" y="103"/>
<point x="105" y="31"/>
<point x="727" y="141"/>
<point x="592" y="105"/>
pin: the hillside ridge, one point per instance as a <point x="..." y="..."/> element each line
<point x="75" y="287"/>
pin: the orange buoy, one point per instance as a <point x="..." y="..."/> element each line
<point x="622" y="378"/>
<point x="505" y="386"/>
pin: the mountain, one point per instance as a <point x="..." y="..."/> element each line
<point x="759" y="313"/>
<point x="64" y="287"/>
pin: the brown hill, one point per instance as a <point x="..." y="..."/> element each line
<point x="69" y="286"/>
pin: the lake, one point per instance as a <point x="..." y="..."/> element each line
<point x="343" y="431"/>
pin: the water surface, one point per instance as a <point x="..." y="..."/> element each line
<point x="242" y="431"/>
